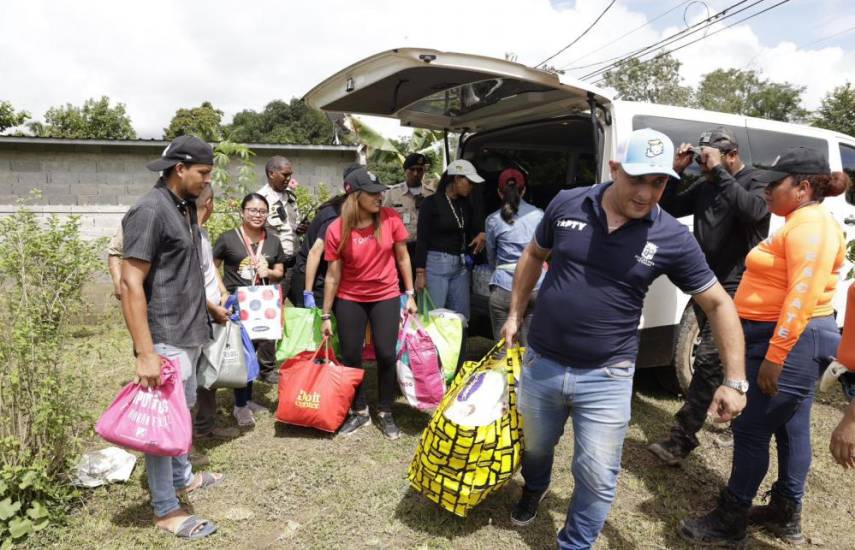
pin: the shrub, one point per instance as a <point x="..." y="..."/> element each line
<point x="228" y="189"/>
<point x="42" y="419"/>
<point x="308" y="200"/>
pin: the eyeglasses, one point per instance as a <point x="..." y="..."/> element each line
<point x="256" y="211"/>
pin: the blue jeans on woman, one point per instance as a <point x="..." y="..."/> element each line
<point x="448" y="281"/>
<point x="599" y="402"/>
<point x="786" y="415"/>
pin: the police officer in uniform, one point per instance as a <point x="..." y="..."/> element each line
<point x="407" y="196"/>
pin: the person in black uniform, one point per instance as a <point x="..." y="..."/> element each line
<point x="730" y="218"/>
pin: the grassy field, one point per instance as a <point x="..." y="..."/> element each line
<point x="293" y="487"/>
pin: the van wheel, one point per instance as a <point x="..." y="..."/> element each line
<point x="685" y="346"/>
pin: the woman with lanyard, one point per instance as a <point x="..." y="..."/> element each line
<point x="250" y="258"/>
<point x="509" y="230"/>
<point x="784" y="301"/>
<point x="447" y="232"/>
<point x="365" y="249"/>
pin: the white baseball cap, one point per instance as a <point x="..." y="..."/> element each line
<point x="464" y="168"/>
<point x="648" y="152"/>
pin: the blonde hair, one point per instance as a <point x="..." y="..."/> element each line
<point x="350" y="217"/>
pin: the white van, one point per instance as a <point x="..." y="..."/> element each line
<point x="562" y="132"/>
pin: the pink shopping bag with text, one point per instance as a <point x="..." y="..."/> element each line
<point x="154" y="421"/>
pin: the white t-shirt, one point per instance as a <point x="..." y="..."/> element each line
<point x="206" y="258"/>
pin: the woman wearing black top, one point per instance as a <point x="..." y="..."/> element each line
<point x="251" y="258"/>
<point x="447" y="231"/>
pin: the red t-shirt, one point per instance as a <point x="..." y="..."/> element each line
<point x="368" y="268"/>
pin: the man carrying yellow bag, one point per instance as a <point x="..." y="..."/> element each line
<point x="607" y="244"/>
<point x="473" y="444"/>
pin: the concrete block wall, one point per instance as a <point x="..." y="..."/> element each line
<point x="98" y="181"/>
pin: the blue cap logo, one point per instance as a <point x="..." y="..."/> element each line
<point x="648" y="152"/>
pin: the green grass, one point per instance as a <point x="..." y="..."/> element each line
<point x="294" y="487"/>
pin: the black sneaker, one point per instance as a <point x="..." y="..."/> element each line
<point x="668" y="451"/>
<point x="354" y="422"/>
<point x="526" y="509"/>
<point x="387" y="425"/>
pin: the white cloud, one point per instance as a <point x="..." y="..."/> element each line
<point x="157" y="56"/>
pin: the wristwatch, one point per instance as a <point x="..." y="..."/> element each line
<point x="739" y="385"/>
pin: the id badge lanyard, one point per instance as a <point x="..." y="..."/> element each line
<point x="256" y="256"/>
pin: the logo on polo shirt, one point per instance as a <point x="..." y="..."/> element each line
<point x="571" y="224"/>
<point x="647" y="254"/>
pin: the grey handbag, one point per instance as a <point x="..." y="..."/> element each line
<point x="223" y="364"/>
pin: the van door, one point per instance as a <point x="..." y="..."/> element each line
<point x="450" y="91"/>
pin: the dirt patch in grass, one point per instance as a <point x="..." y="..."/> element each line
<point x="293" y="487"/>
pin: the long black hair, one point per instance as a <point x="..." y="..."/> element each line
<point x="253" y="197"/>
<point x="510" y="202"/>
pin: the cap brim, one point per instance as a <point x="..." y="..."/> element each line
<point x="769" y="176"/>
<point x="161" y="164"/>
<point x="641" y="169"/>
<point x="474" y="178"/>
<point x="373" y="188"/>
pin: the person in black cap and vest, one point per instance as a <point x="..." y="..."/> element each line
<point x="366" y="248"/>
<point x="730" y="218"/>
<point x="164" y="305"/>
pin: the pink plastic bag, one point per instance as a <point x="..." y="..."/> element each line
<point x="154" y="421"/>
<point x="418" y="369"/>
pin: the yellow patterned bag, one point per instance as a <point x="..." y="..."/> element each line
<point x="458" y="466"/>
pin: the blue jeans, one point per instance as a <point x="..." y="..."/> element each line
<point x="599" y="402"/>
<point x="166" y="474"/>
<point x="448" y="281"/>
<point x="786" y="415"/>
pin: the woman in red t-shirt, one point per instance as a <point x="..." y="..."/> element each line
<point x="365" y="249"/>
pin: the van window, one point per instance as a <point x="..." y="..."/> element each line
<point x="687" y="131"/>
<point x="847" y="157"/>
<point x="766" y="145"/>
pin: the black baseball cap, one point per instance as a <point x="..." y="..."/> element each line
<point x="186" y="149"/>
<point x="796" y="160"/>
<point x="360" y="179"/>
<point x="721" y="138"/>
<point x="415" y="159"/>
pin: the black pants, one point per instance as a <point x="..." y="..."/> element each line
<point x="265" y="351"/>
<point x="706" y="378"/>
<point x="352" y="319"/>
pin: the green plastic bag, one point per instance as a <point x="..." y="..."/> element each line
<point x="302" y="333"/>
<point x="445" y="328"/>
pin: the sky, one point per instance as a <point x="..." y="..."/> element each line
<point x="158" y="56"/>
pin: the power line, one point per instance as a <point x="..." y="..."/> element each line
<point x="638" y="28"/>
<point x="694" y="29"/>
<point x="674" y="37"/>
<point x="753" y="15"/>
<point x="591" y="26"/>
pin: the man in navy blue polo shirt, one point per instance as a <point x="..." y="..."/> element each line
<point x="605" y="245"/>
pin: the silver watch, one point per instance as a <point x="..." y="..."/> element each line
<point x="739" y="385"/>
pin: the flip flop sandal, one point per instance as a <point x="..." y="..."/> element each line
<point x="194" y="528"/>
<point x="208" y="480"/>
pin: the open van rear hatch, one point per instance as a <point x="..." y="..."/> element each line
<point x="450" y="91"/>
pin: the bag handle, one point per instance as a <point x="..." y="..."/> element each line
<point x="425" y="303"/>
<point x="325" y="346"/>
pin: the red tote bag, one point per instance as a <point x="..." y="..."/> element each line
<point x="316" y="392"/>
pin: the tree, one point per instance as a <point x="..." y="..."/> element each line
<point x="204" y="122"/>
<point x="95" y="120"/>
<point x="837" y="110"/>
<point x="745" y="93"/>
<point x="656" y="81"/>
<point x="282" y="122"/>
<point x="9" y="118"/>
